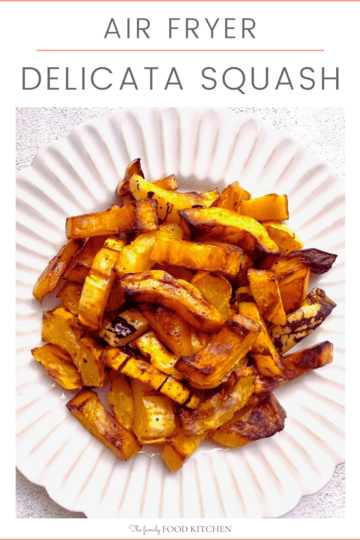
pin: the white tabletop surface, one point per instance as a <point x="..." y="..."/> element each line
<point x="320" y="129"/>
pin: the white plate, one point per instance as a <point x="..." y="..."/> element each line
<point x="204" y="148"/>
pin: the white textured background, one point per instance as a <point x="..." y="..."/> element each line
<point x="320" y="129"/>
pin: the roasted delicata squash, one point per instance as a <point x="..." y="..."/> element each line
<point x="243" y="294"/>
<point x="59" y="366"/>
<point x="159" y="287"/>
<point x="316" y="260"/>
<point x="170" y="202"/>
<point x="155" y="420"/>
<point x="213" y="364"/>
<point x="232" y="196"/>
<point x="182" y="307"/>
<point x="172" y="330"/>
<point x="219" y="408"/>
<point x="302" y="322"/>
<point x="227" y="226"/>
<point x="98" y="284"/>
<point x="293" y="278"/>
<point x="179" y="448"/>
<point x="224" y="259"/>
<point x="134" y="216"/>
<point x="295" y="364"/>
<point x="91" y="413"/>
<point x="134" y="167"/>
<point x="121" y="400"/>
<point x="148" y="374"/>
<point x="266" y="208"/>
<point x="136" y="257"/>
<point x="123" y="187"/>
<point x="216" y="290"/>
<point x="55" y="269"/>
<point x="69" y="295"/>
<point x="126" y="327"/>
<point x="263" y="351"/>
<point x="265" y="290"/>
<point x="60" y="328"/>
<point x="251" y="423"/>
<point x="160" y="357"/>
<point x="82" y="261"/>
<point x="285" y="239"/>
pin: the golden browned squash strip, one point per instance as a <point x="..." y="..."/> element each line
<point x="169" y="202"/>
<point x="160" y="287"/>
<point x="263" y="351"/>
<point x="136" y="256"/>
<point x="285" y="239"/>
<point x="59" y="366"/>
<point x="127" y="326"/>
<point x="134" y="216"/>
<point x="232" y="196"/>
<point x="133" y="168"/>
<point x="213" y="364"/>
<point x="168" y="182"/>
<point x="223" y="259"/>
<point x="55" y="269"/>
<point x="227" y="226"/>
<point x="60" y="328"/>
<point x="266" y="208"/>
<point x="252" y="423"/>
<point x="216" y="290"/>
<point x="293" y="285"/>
<point x="172" y="330"/>
<point x="98" y="284"/>
<point x="121" y="400"/>
<point x="265" y="290"/>
<point x="83" y="260"/>
<point x="160" y="357"/>
<point x="123" y="187"/>
<point x="154" y="414"/>
<point x="69" y="295"/>
<point x="148" y="374"/>
<point x="91" y="413"/>
<point x="294" y="365"/>
<point x="219" y="408"/>
<point x="302" y="322"/>
<point x="316" y="260"/>
<point x="179" y="448"/>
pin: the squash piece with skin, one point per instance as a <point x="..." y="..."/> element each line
<point x="213" y="364"/>
<point x="185" y="299"/>
<point x="50" y="277"/>
<point x="265" y="290"/>
<point x="170" y="202"/>
<point x="136" y="257"/>
<point x="60" y="327"/>
<point x="91" y="413"/>
<point x="59" y="366"/>
<point x="206" y="224"/>
<point x="154" y="414"/>
<point x="98" y="284"/>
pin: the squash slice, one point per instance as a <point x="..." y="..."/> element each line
<point x="134" y="216"/>
<point x="91" y="413"/>
<point x="227" y="226"/>
<point x="55" y="269"/>
<point x="185" y="299"/>
<point x="170" y="202"/>
<point x="213" y="364"/>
